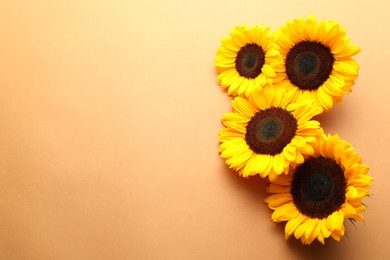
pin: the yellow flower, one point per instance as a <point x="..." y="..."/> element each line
<point x="247" y="60"/>
<point x="317" y="61"/>
<point x="323" y="191"/>
<point x="266" y="133"/>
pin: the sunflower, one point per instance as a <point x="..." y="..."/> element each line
<point x="322" y="191"/>
<point x="266" y="133"/>
<point x="317" y="61"/>
<point x="247" y="60"/>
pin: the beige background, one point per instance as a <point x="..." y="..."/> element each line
<point x="109" y="115"/>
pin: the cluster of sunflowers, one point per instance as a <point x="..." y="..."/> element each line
<point x="280" y="80"/>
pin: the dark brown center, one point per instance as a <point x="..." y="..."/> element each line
<point x="318" y="187"/>
<point x="270" y="130"/>
<point x="309" y="64"/>
<point x="249" y="61"/>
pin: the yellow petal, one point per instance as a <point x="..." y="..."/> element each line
<point x="350" y="212"/>
<point x="345" y="68"/>
<point x="325" y="228"/>
<point x="238" y="37"/>
<point x="334" y="33"/>
<point x="243" y="107"/>
<point x="285" y="212"/>
<point x="249" y="167"/>
<point x="310" y="28"/>
<point x="244" y="86"/>
<point x="234" y="126"/>
<point x="232" y="90"/>
<point x="307" y="113"/>
<point x="277" y="200"/>
<point x="320" y="31"/>
<point x="315" y="232"/>
<point x="233" y="147"/>
<point x="348" y="51"/>
<point x="334" y="85"/>
<point x="312" y="124"/>
<point x="289" y="152"/>
<point x="292" y="225"/>
<point x="262" y="163"/>
<point x="320" y="238"/>
<point x="252" y="86"/>
<point x="272" y="176"/>
<point x="299" y="159"/>
<point x="300" y="231"/>
<point x="238" y="160"/>
<point x="272" y="53"/>
<point x="269" y="168"/>
<point x="268" y="71"/>
<point x="235" y="117"/>
<point x="339" y="45"/>
<point x="278" y="165"/>
<point x="325" y="100"/>
<point x="336" y="235"/>
<point x="298" y="141"/>
<point x="229" y="134"/>
<point x="228" y="43"/>
<point x="335" y="221"/>
<point x="309" y="132"/>
<point x="352" y="193"/>
<point x="227" y="77"/>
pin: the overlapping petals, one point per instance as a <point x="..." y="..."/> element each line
<point x="236" y="83"/>
<point x="344" y="70"/>
<point x="307" y="228"/>
<point x="237" y="153"/>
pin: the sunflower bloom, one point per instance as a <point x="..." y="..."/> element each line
<point x="266" y="134"/>
<point x="322" y="192"/>
<point x="247" y="60"/>
<point x="317" y="61"/>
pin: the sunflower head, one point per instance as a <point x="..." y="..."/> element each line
<point x="317" y="61"/>
<point x="267" y="134"/>
<point x="246" y="60"/>
<point x="325" y="189"/>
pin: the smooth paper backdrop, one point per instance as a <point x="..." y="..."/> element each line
<point x="109" y="120"/>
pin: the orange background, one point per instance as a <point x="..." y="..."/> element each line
<point x="109" y="117"/>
